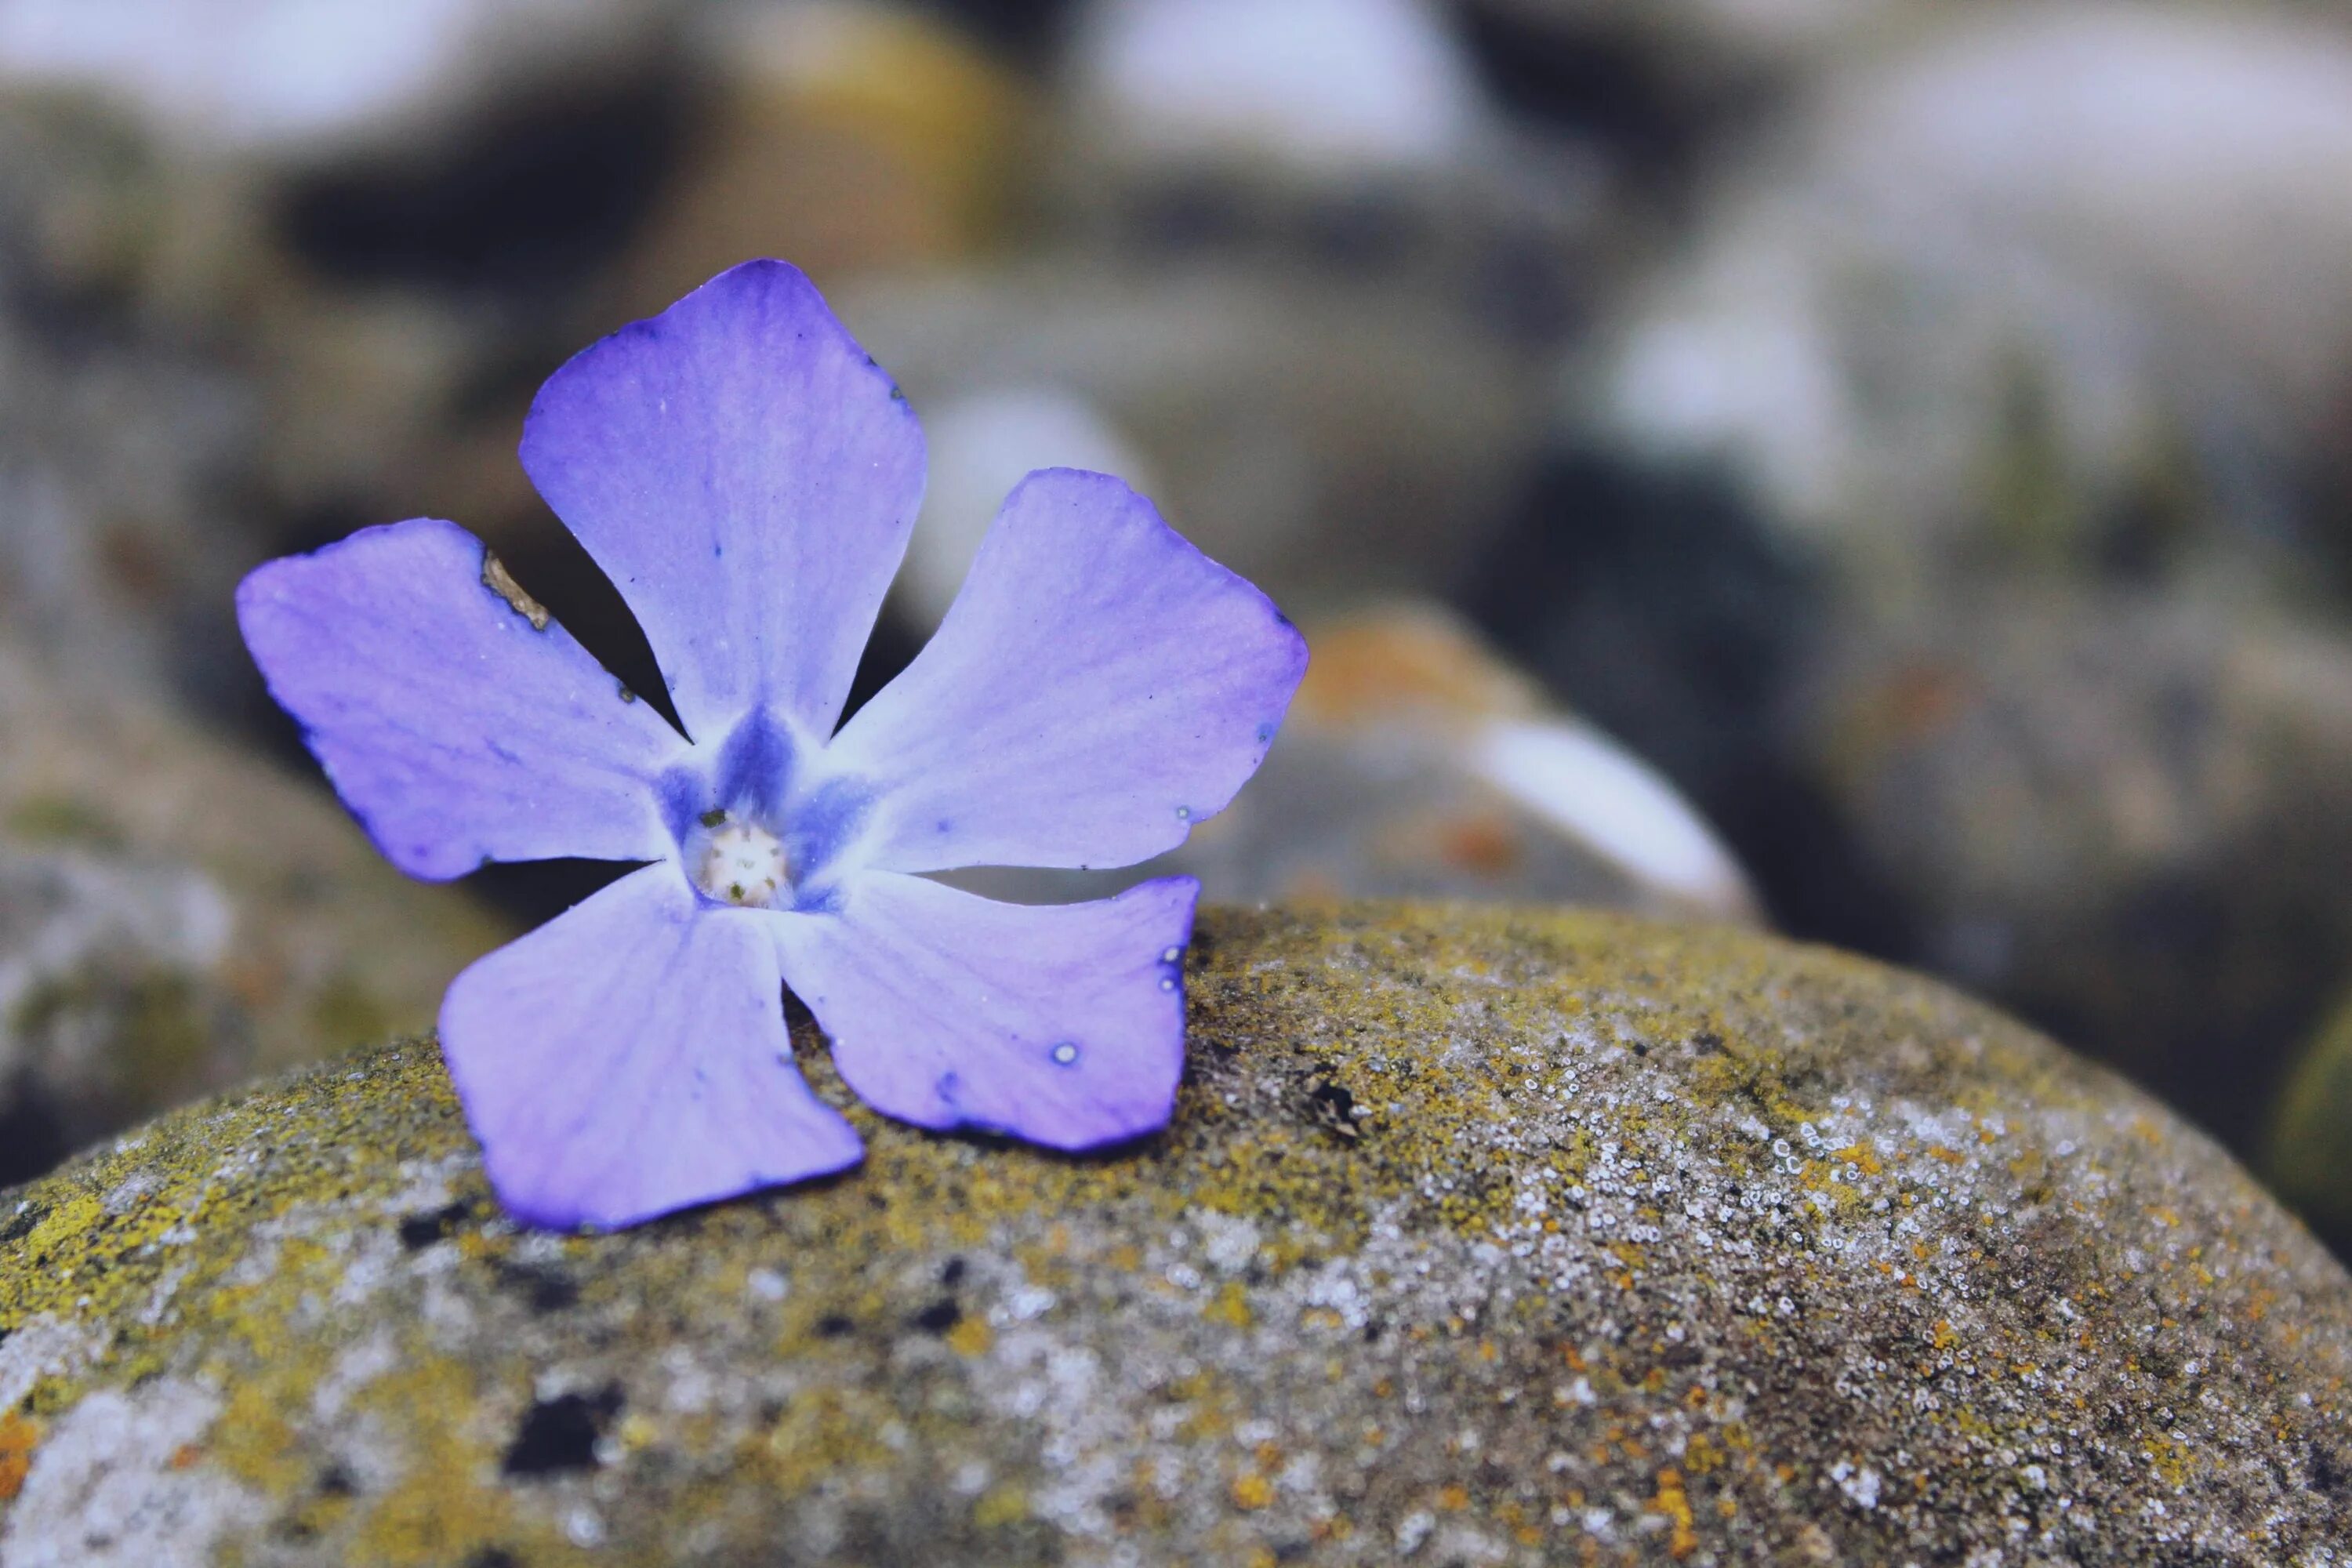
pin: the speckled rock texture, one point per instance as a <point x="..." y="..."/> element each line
<point x="1480" y="1237"/>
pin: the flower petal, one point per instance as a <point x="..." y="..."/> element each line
<point x="457" y="726"/>
<point x="1099" y="686"/>
<point x="629" y="1057"/>
<point x="1060" y="1024"/>
<point x="747" y="476"/>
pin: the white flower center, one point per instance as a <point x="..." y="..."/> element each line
<point x="740" y="863"/>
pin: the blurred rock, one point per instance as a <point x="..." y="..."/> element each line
<point x="268" y="267"/>
<point x="1992" y="305"/>
<point x="843" y="134"/>
<point x="174" y="916"/>
<point x="1325" y="440"/>
<point x="1347" y="139"/>
<point x="2309" y="1136"/>
<point x="980" y="445"/>
<point x="1341" y="91"/>
<point x="300" y="79"/>
<point x="1414" y="764"/>
<point x="2129" y="818"/>
<point x="1711" y="40"/>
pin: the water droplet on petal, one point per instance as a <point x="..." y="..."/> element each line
<point x="1183" y="814"/>
<point x="1171" y="956"/>
<point x="1066" y="1053"/>
<point x="1168" y="985"/>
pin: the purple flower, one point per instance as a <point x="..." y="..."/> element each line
<point x="748" y="477"/>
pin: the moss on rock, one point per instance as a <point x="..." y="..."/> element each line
<point x="1480" y="1236"/>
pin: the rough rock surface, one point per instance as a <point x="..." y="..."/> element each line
<point x="1481" y="1236"/>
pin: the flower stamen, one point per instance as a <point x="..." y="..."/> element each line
<point x="740" y="863"/>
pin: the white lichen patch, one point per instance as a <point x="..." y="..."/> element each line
<point x="110" y="1486"/>
<point x="43" y="1348"/>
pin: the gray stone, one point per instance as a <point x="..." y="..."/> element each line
<point x="1940" y="341"/>
<point x="2126" y="815"/>
<point x="1325" y="439"/>
<point x="1481" y="1236"/>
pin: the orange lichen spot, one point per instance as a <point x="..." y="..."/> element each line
<point x="1673" y="1502"/>
<point x="1453" y="1499"/>
<point x="971" y="1337"/>
<point x="1483" y="843"/>
<point x="186" y="1457"/>
<point x="1252" y="1490"/>
<point x="1950" y="1156"/>
<point x="1396" y="661"/>
<point x="19" y="1435"/>
<point x="1487" y="1350"/>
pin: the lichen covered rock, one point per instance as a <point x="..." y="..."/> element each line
<point x="1480" y="1236"/>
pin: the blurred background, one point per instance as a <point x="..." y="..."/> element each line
<point x="1877" y="469"/>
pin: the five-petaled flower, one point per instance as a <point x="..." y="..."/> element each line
<point x="748" y="478"/>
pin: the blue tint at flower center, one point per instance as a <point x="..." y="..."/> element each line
<point x="754" y="829"/>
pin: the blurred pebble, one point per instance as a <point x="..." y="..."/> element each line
<point x="1414" y="764"/>
<point x="1324" y="440"/>
<point x="1333" y="89"/>
<point x="980" y="445"/>
<point x="842" y="135"/>
<point x="299" y="80"/>
<point x="2128" y="817"/>
<point x="1941" y="341"/>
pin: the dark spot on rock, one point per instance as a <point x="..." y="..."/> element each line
<point x="833" y="1325"/>
<point x="939" y="1316"/>
<point x="951" y="1274"/>
<point x="2328" y="1472"/>
<point x="337" y="1482"/>
<point x="546" y="1289"/>
<point x="494" y="1557"/>
<point x="560" y="1433"/>
<point x="419" y="1231"/>
<point x="1679" y="1356"/>
<point x="1639" y="1048"/>
<point x="1331" y="1106"/>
